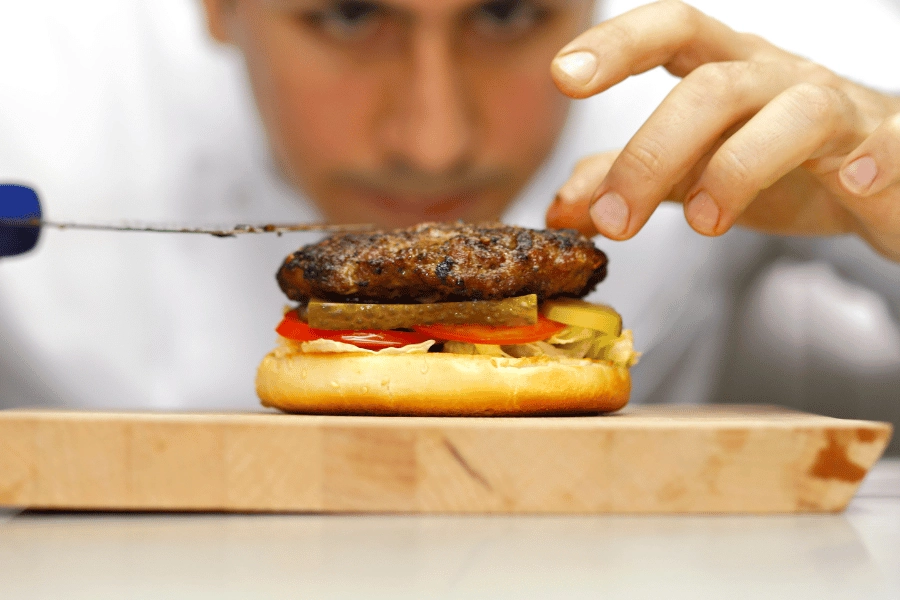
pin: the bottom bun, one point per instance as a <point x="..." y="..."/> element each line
<point x="439" y="384"/>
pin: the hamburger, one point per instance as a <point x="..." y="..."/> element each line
<point x="443" y="319"/>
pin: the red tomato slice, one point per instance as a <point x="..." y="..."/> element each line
<point x="293" y="328"/>
<point x="488" y="334"/>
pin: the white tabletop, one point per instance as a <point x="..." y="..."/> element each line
<point x="851" y="555"/>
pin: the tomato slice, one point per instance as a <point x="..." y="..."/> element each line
<point x="489" y="334"/>
<point x="293" y="328"/>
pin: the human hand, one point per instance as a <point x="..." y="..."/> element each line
<point x="751" y="135"/>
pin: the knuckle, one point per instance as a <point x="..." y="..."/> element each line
<point x="647" y="159"/>
<point x="619" y="35"/>
<point x="817" y="74"/>
<point x="733" y="169"/>
<point x="812" y="101"/>
<point x="719" y="83"/>
<point x="681" y="12"/>
<point x="818" y="97"/>
<point x="892" y="124"/>
<point x="718" y="75"/>
<point x="886" y="138"/>
<point x="758" y="46"/>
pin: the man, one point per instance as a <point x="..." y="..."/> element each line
<point x="753" y="135"/>
<point x="400" y="111"/>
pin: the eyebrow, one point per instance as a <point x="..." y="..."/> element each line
<point x="322" y="5"/>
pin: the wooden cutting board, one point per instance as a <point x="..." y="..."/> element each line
<point x="723" y="459"/>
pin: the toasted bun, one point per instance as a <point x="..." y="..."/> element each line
<point x="439" y="384"/>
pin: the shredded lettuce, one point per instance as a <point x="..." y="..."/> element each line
<point x="571" y="342"/>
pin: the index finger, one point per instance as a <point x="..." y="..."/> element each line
<point x="668" y="33"/>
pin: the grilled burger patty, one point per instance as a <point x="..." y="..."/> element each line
<point x="444" y="262"/>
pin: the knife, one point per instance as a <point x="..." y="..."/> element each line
<point x="21" y="223"/>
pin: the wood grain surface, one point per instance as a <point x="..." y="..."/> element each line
<point x="723" y="459"/>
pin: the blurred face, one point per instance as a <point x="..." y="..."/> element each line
<point x="401" y="111"/>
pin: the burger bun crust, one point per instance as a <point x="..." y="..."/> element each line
<point x="439" y="384"/>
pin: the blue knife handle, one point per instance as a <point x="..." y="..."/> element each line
<point x="18" y="202"/>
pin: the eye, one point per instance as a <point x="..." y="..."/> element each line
<point x="507" y="18"/>
<point x="347" y="20"/>
<point x="501" y="10"/>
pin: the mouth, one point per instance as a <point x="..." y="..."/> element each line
<point x="404" y="208"/>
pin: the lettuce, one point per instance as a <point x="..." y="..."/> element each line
<point x="571" y="342"/>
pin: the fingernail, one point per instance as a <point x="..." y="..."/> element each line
<point x="702" y="213"/>
<point x="578" y="66"/>
<point x="610" y="214"/>
<point x="861" y="173"/>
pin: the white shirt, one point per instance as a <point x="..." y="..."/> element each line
<point x="124" y="109"/>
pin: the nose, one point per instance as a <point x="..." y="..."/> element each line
<point x="431" y="125"/>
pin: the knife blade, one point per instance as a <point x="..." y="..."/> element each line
<point x="21" y="222"/>
<point x="214" y="231"/>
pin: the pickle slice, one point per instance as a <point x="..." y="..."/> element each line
<point x="521" y="310"/>
<point x="579" y="313"/>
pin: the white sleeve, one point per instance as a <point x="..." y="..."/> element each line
<point x="854" y="261"/>
<point x="818" y="329"/>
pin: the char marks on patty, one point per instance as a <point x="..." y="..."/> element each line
<point x="435" y="262"/>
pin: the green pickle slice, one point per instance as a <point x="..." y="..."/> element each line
<point x="579" y="313"/>
<point x="521" y="310"/>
